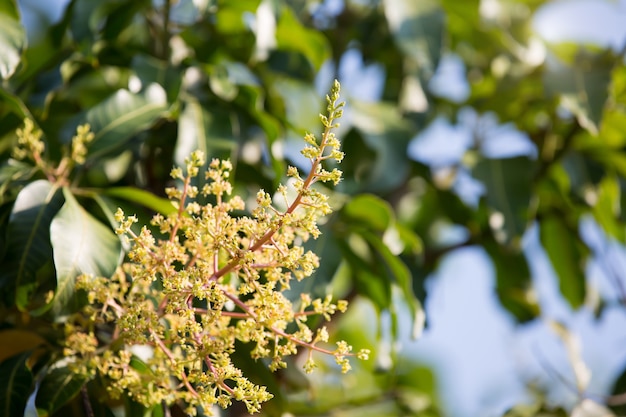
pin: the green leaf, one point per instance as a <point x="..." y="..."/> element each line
<point x="118" y="118"/>
<point x="292" y="36"/>
<point x="508" y="184"/>
<point x="81" y="245"/>
<point x="607" y="209"/>
<point x="401" y="274"/>
<point x="368" y="210"/>
<point x="385" y="131"/>
<point x="568" y="255"/>
<point x="369" y="279"/>
<point x="58" y="387"/>
<point x="201" y="128"/>
<point x="582" y="85"/>
<point x="513" y="282"/>
<point x="28" y="238"/>
<point x="12" y="39"/>
<point x="143" y="197"/>
<point x="418" y="30"/>
<point x="16" y="381"/>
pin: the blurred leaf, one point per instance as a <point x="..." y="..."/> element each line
<point x="81" y="245"/>
<point x="16" y="341"/>
<point x="400" y="273"/>
<point x="418" y="30"/>
<point x="568" y="255"/>
<point x="16" y="381"/>
<point x="508" y="185"/>
<point x="513" y="281"/>
<point x="12" y="38"/>
<point x="384" y="130"/>
<point x="142" y="197"/>
<point x="582" y="85"/>
<point x="369" y="211"/>
<point x="123" y="115"/>
<point x="28" y="238"/>
<point x="58" y="387"/>
<point x="202" y="129"/>
<point x="607" y="209"/>
<point x="369" y="281"/>
<point x="292" y="36"/>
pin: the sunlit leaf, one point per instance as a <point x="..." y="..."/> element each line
<point x="12" y="38"/>
<point x="368" y="211"/>
<point x="142" y="197"/>
<point x="81" y="245"/>
<point x="58" y="387"/>
<point x="292" y="36"/>
<point x="568" y="255"/>
<point x="16" y="381"/>
<point x="28" y="238"/>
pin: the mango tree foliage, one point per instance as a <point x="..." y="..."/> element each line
<point x="539" y="131"/>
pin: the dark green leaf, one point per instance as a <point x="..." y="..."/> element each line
<point x="582" y="85"/>
<point x="123" y="115"/>
<point x="200" y="128"/>
<point x="81" y="245"/>
<point x="58" y="387"/>
<point x="568" y="255"/>
<point x="386" y="132"/>
<point x="508" y="184"/>
<point x="12" y="38"/>
<point x="418" y="29"/>
<point x="513" y="281"/>
<point x="401" y="274"/>
<point x="16" y="381"/>
<point x="28" y="238"/>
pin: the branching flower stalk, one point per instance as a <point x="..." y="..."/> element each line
<point x="213" y="280"/>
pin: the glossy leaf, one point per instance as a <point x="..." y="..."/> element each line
<point x="28" y="238"/>
<point x="81" y="245"/>
<point x="16" y="381"/>
<point x="568" y="255"/>
<point x="12" y="38"/>
<point x="123" y="115"/>
<point x="58" y="387"/>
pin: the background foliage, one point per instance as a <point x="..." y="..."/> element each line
<point x="244" y="80"/>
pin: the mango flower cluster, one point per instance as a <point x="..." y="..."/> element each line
<point x="214" y="279"/>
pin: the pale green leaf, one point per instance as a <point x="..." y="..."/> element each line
<point x="82" y="245"/>
<point x="12" y="39"/>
